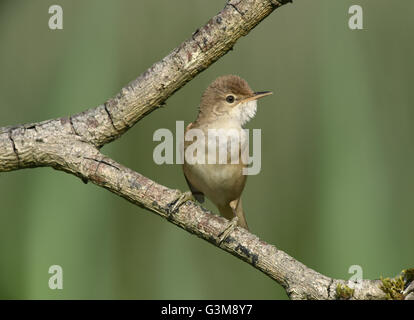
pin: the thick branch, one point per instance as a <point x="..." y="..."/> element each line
<point x="72" y="145"/>
<point x="151" y="89"/>
<point x="105" y="123"/>
<point x="299" y="281"/>
<point x="66" y="151"/>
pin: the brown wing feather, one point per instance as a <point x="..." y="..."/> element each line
<point x="197" y="194"/>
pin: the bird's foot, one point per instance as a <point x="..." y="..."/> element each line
<point x="174" y="205"/>
<point x="228" y="229"/>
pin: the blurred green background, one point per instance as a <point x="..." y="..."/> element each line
<point x="336" y="186"/>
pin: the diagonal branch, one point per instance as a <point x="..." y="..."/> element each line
<point x="299" y="281"/>
<point x="151" y="89"/>
<point x="72" y="145"/>
<point x="107" y="122"/>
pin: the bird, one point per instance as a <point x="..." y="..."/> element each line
<point x="226" y="106"/>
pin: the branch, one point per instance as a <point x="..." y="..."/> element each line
<point x="72" y="144"/>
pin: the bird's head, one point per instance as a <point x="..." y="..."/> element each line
<point x="230" y="97"/>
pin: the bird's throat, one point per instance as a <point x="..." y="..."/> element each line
<point x="245" y="111"/>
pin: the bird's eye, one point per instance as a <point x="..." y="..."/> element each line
<point x="230" y="99"/>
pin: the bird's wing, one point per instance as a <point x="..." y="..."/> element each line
<point x="197" y="194"/>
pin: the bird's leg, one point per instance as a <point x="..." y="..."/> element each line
<point x="228" y="229"/>
<point x="237" y="208"/>
<point x="184" y="197"/>
<point x="234" y="209"/>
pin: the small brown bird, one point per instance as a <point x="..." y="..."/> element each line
<point x="226" y="105"/>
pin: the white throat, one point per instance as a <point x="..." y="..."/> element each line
<point x="244" y="111"/>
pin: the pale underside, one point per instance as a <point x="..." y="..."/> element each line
<point x="221" y="182"/>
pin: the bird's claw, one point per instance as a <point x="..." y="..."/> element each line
<point x="228" y="229"/>
<point x="176" y="204"/>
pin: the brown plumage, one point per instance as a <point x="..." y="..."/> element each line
<point x="226" y="105"/>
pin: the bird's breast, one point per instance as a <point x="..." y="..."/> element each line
<point x="220" y="181"/>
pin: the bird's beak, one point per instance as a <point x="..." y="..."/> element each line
<point x="257" y="95"/>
